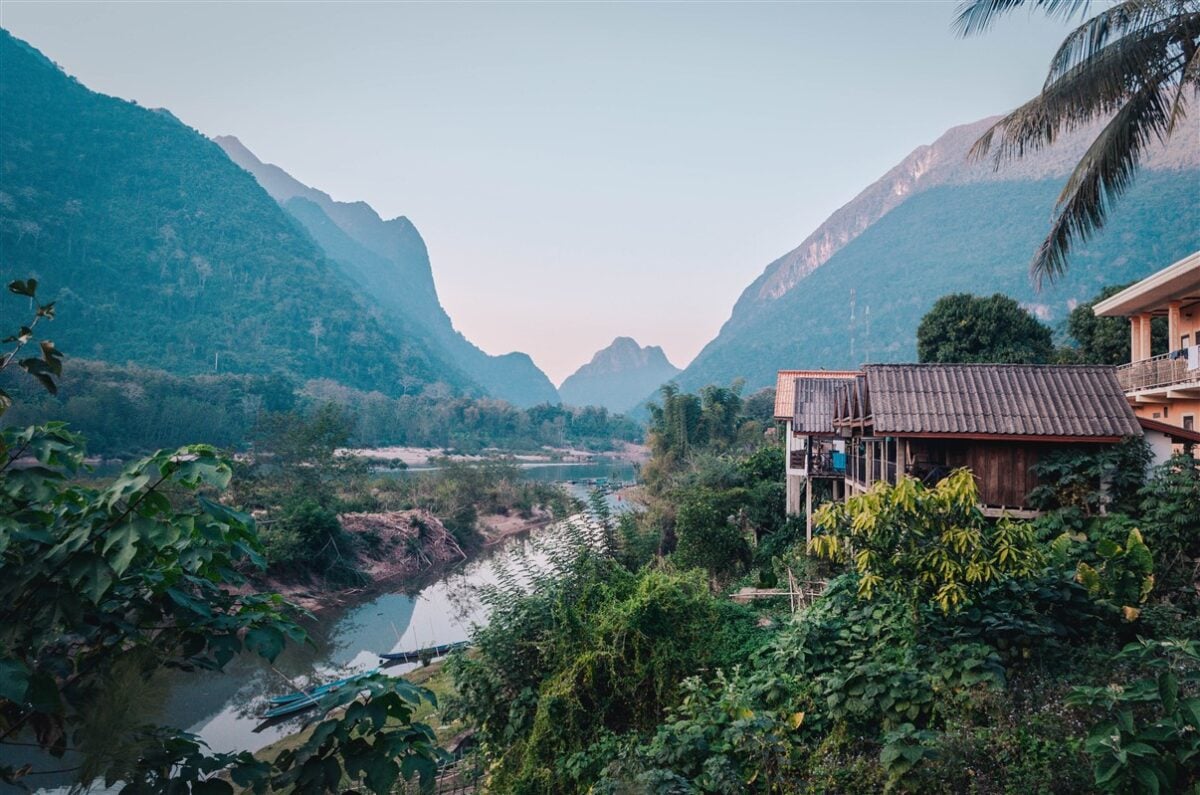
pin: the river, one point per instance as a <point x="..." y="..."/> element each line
<point x="224" y="709"/>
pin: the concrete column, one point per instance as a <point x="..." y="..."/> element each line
<point x="1173" y="325"/>
<point x="1135" y="340"/>
<point x="793" y="495"/>
<point x="1144" y="337"/>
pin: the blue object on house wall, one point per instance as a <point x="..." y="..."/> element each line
<point x="839" y="462"/>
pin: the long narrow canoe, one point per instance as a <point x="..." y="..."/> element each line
<point x="307" y="699"/>
<point x="417" y="654"/>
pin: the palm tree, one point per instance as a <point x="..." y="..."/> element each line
<point x="1135" y="64"/>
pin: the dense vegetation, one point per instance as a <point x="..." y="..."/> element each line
<point x="132" y="410"/>
<point x="1106" y="340"/>
<point x="965" y="238"/>
<point x="297" y="482"/>
<point x="967" y="328"/>
<point x="947" y="653"/>
<point x="105" y="587"/>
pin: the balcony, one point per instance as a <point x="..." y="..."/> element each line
<point x="1158" y="372"/>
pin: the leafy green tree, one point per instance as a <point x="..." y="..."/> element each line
<point x="675" y="426"/>
<point x="45" y="368"/>
<point x="1105" y="340"/>
<point x="1134" y="66"/>
<point x="924" y="543"/>
<point x="101" y="588"/>
<point x="1092" y="482"/>
<point x="720" y="413"/>
<point x="1123" y="576"/>
<point x="708" y="536"/>
<point x="1170" y="517"/>
<point x="964" y="328"/>
<point x="1148" y="740"/>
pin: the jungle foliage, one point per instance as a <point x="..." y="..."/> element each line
<point x="127" y="411"/>
<point x="948" y="652"/>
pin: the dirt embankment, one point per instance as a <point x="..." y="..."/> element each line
<point x="394" y="549"/>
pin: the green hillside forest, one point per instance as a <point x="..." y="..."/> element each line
<point x="969" y="238"/>
<point x="165" y="254"/>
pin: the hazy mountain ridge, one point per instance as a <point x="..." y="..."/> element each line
<point x="130" y="218"/>
<point x="971" y="237"/>
<point x="618" y="377"/>
<point x="390" y="260"/>
<point x="943" y="162"/>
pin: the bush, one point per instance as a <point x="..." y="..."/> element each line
<point x="593" y="654"/>
<point x="307" y="537"/>
<point x="707" y="538"/>
<point x="1171" y="524"/>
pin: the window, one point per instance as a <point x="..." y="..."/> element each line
<point x="1185" y="340"/>
<point x="1189" y="422"/>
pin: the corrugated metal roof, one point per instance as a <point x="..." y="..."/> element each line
<point x="999" y="399"/>
<point x="815" y="404"/>
<point x="785" y="387"/>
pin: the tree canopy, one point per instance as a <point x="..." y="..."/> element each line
<point x="965" y="328"/>
<point x="1105" y="340"/>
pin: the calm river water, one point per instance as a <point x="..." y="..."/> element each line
<point x="225" y="708"/>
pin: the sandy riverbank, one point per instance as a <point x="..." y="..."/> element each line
<point x="429" y="456"/>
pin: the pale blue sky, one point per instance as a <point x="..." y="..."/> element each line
<point x="578" y="171"/>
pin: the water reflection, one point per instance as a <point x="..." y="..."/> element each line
<point x="224" y="709"/>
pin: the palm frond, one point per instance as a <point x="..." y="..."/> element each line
<point x="1113" y="23"/>
<point x="975" y="16"/>
<point x="1104" y="172"/>
<point x="1188" y="88"/>
<point x="1091" y="90"/>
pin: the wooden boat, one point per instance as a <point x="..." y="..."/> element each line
<point x="291" y="703"/>
<point x="417" y="654"/>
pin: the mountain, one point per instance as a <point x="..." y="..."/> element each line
<point x="163" y="253"/>
<point x="618" y="377"/>
<point x="390" y="261"/>
<point x="856" y="288"/>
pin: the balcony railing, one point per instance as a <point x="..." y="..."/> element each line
<point x="1155" y="372"/>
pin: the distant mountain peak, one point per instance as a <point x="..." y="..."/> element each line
<point x="390" y="260"/>
<point x="938" y="222"/>
<point x="943" y="162"/>
<point x="624" y="353"/>
<point x="618" y="376"/>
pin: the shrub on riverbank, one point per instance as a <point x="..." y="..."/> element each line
<point x="1016" y="684"/>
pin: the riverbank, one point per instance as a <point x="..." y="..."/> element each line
<point x="397" y="550"/>
<point x="426" y="457"/>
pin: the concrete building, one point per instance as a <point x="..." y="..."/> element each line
<point x="1162" y="387"/>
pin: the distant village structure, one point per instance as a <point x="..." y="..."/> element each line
<point x="857" y="428"/>
<point x="998" y="420"/>
<point x="1164" y="389"/>
<point x="813" y="449"/>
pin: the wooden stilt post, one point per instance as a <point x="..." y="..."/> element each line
<point x="808" y="510"/>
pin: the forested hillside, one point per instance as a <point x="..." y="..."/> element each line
<point x="390" y="261"/>
<point x="975" y="238"/>
<point x="161" y="252"/>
